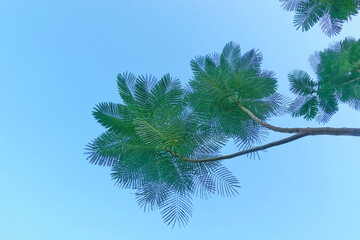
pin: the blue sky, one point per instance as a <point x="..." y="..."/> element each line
<point x="60" y="58"/>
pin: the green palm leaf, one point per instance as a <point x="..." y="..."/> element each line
<point x="251" y="60"/>
<point x="330" y="26"/>
<point x="177" y="209"/>
<point x="291" y="5"/>
<point x="301" y="83"/>
<point x="105" y="149"/>
<point x="230" y="56"/>
<point x="308" y="13"/>
<point x="306" y="106"/>
<point x="115" y="117"/>
<point x="225" y="183"/>
<point x="152" y="195"/>
<point x="125" y="83"/>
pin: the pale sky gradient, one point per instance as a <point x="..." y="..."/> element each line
<point x="60" y="58"/>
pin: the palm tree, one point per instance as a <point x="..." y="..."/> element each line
<point x="164" y="140"/>
<point x="331" y="14"/>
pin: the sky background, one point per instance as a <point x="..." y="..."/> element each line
<point x="58" y="59"/>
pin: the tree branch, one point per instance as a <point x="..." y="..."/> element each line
<point x="265" y="124"/>
<point x="304" y="133"/>
<point x="300" y="133"/>
<point x="310" y="131"/>
<point x="247" y="151"/>
<point x="269" y="126"/>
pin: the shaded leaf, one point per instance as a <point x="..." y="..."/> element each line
<point x="301" y="83"/>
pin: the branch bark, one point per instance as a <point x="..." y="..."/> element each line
<point x="299" y="133"/>
<point x="310" y="131"/>
<point x="247" y="151"/>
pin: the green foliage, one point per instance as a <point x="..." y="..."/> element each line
<point x="338" y="81"/>
<point x="141" y="136"/>
<point x="160" y="124"/>
<point x="224" y="82"/>
<point x="151" y="139"/>
<point x="331" y="14"/>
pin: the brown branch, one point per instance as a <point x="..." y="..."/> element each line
<point x="247" y="151"/>
<point x="310" y="131"/>
<point x="269" y="126"/>
<point x="265" y="124"/>
<point x="300" y="133"/>
<point x="303" y="133"/>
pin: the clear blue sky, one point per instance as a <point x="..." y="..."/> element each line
<point x="60" y="58"/>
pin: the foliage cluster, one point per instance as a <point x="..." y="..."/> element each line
<point x="331" y="14"/>
<point x="152" y="136"/>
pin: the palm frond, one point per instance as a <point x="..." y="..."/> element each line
<point x="125" y="83"/>
<point x="355" y="104"/>
<point x="274" y="105"/>
<point x="301" y="83"/>
<point x="106" y="149"/>
<point x="329" y="104"/>
<point x="322" y="116"/>
<point x="142" y="88"/>
<point x="148" y="133"/>
<point x="330" y="26"/>
<point x="115" y="117"/>
<point x="152" y="195"/>
<point x="251" y="60"/>
<point x="167" y="91"/>
<point x="314" y="60"/>
<point x="177" y="209"/>
<point x="125" y="177"/>
<point x="230" y="56"/>
<point x="198" y="64"/>
<point x="226" y="184"/>
<point x="308" y="13"/>
<point x="306" y="106"/>
<point x="291" y="5"/>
